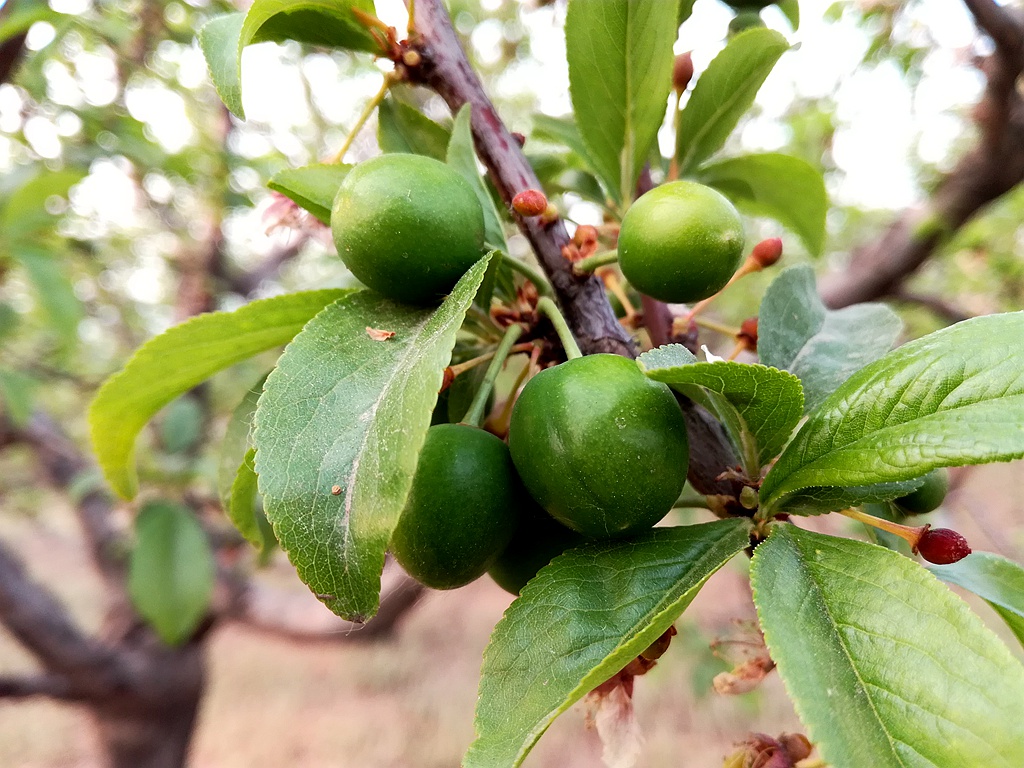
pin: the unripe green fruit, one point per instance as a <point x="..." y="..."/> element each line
<point x="744" y="5"/>
<point x="537" y="541"/>
<point x="928" y="497"/>
<point x="462" y="510"/>
<point x="745" y="20"/>
<point x="599" y="445"/>
<point x="407" y="226"/>
<point x="680" y="242"/>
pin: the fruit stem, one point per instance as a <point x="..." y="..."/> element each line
<point x="749" y="266"/>
<point x="539" y="281"/>
<point x="475" y="414"/>
<point x="389" y="80"/>
<point x="912" y="535"/>
<point x="713" y="325"/>
<point x="550" y="310"/>
<point x="460" y="368"/>
<point x="612" y="283"/>
<point x="589" y="264"/>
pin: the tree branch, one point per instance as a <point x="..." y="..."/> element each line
<point x="39" y="622"/>
<point x="64" y="464"/>
<point x="1006" y="31"/>
<point x="24" y="687"/>
<point x="445" y="69"/>
<point x="990" y="170"/>
<point x="944" y="309"/>
<point x="282" y="617"/>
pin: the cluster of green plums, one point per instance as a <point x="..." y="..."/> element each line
<point x="595" y="449"/>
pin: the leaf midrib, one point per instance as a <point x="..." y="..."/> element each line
<point x="781" y="489"/>
<point x="827" y="611"/>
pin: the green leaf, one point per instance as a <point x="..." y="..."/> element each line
<point x="182" y="424"/>
<point x="25" y="212"/>
<point x="236" y="476"/>
<point x="243" y="507"/>
<point x="47" y="272"/>
<point x="581" y="620"/>
<point x="17" y="392"/>
<point x="951" y="398"/>
<point x="462" y="157"/>
<point x="620" y="75"/>
<point x="404" y="129"/>
<point x="791" y="10"/>
<point x="769" y="402"/>
<point x="685" y="10"/>
<point x="998" y="581"/>
<point x="171" y="570"/>
<point x="220" y="40"/>
<point x="312" y="187"/>
<point x="782" y="187"/>
<point x="318" y="22"/>
<point x="886" y="667"/>
<point x="797" y="333"/>
<point x="24" y="14"/>
<point x="723" y="93"/>
<point x="236" y="442"/>
<point x="562" y="131"/>
<point x="179" y="359"/>
<point x="342" y="409"/>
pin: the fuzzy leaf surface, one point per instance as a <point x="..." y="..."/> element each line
<point x="995" y="579"/>
<point x="887" y="668"/>
<point x="950" y="398"/>
<point x="723" y="93"/>
<point x="312" y="187"/>
<point x="620" y="74"/>
<point x="171" y="570"/>
<point x="580" y="620"/>
<point x="823" y="347"/>
<point x="782" y="187"/>
<point x="344" y="409"/>
<point x="769" y="401"/>
<point x="172" y="363"/>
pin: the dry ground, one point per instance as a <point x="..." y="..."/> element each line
<point x="408" y="702"/>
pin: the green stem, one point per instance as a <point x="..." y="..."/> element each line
<point x="589" y="264"/>
<point x="539" y="281"/>
<point x="389" y="80"/>
<point x="475" y="414"/>
<point x="550" y="310"/>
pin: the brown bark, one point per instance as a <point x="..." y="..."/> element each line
<point x="445" y="69"/>
<point x="988" y="171"/>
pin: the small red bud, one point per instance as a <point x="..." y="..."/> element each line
<point x="767" y="252"/>
<point x="520" y="138"/>
<point x="682" y="71"/>
<point x="942" y="546"/>
<point x="531" y="202"/>
<point x="585" y="235"/>
<point x="748" y="333"/>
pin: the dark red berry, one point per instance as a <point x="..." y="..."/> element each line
<point x="748" y="333"/>
<point x="767" y="252"/>
<point x="682" y="71"/>
<point x="943" y="546"/>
